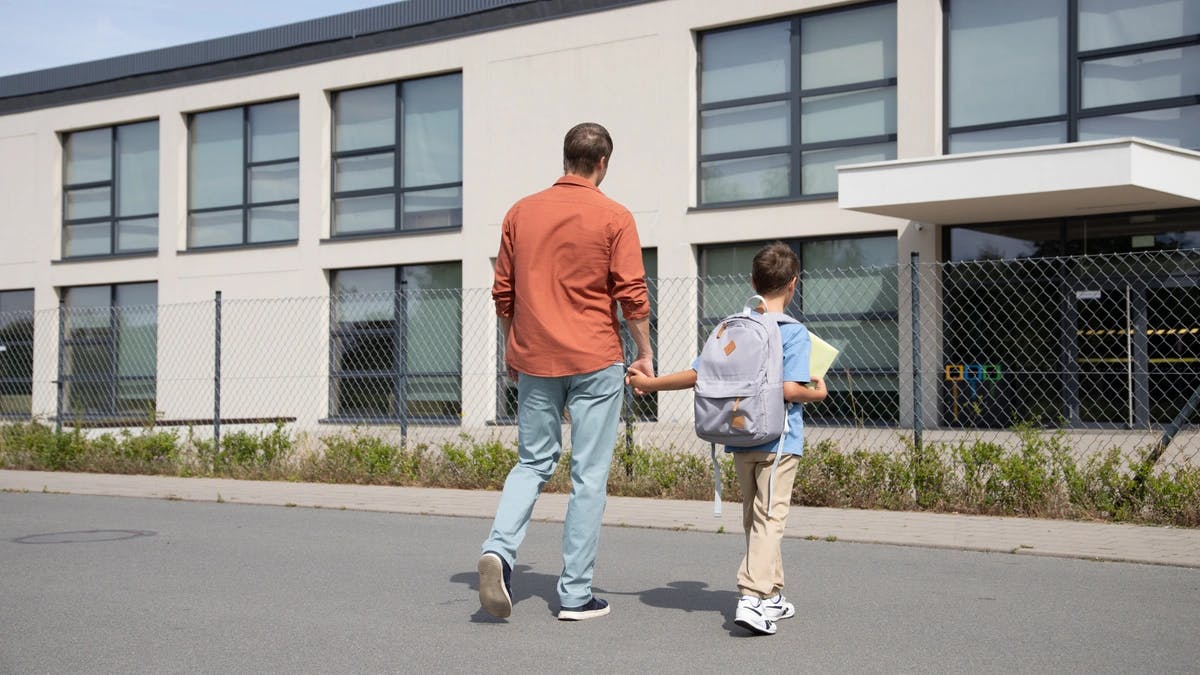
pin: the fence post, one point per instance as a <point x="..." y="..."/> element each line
<point x="916" y="348"/>
<point x="62" y="361"/>
<point x="401" y="313"/>
<point x="217" y="373"/>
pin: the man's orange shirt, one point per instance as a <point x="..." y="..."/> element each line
<point x="568" y="255"/>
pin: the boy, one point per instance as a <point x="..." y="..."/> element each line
<point x="774" y="275"/>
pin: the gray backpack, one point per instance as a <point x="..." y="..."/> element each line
<point x="739" y="387"/>
<point x="739" y="379"/>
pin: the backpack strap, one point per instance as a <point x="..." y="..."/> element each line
<point x="781" y="318"/>
<point x="716" y="480"/>
<point x="753" y="303"/>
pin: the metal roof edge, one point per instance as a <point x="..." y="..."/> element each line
<point x="373" y="29"/>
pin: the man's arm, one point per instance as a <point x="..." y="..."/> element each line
<point x="505" y="327"/>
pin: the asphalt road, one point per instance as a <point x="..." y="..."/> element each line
<point x="104" y="584"/>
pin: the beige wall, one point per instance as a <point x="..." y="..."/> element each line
<point x="632" y="69"/>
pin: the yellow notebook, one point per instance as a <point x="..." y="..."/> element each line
<point x="822" y="356"/>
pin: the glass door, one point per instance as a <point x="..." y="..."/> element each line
<point x="1105" y="357"/>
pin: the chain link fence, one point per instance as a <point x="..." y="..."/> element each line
<point x="1104" y="349"/>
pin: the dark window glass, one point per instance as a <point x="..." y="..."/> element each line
<point x="397" y="157"/>
<point x="110" y="190"/>
<point x="1035" y="331"/>
<point x="1133" y="66"/>
<point x="16" y="353"/>
<point x="390" y="358"/>
<point x="110" y="351"/>
<point x="783" y="103"/>
<point x="244" y="175"/>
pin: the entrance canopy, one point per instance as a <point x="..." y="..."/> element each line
<point x="1054" y="181"/>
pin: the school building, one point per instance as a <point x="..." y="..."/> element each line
<point x="378" y="150"/>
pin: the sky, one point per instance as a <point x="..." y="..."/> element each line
<point x="37" y="34"/>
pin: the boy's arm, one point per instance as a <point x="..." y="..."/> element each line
<point x="642" y="383"/>
<point x="794" y="392"/>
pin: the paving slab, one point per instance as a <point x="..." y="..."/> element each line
<point x="1018" y="536"/>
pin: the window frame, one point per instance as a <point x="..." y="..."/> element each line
<point x="113" y="342"/>
<point x="246" y="206"/>
<point x="397" y="189"/>
<point x="1075" y="60"/>
<point x="794" y="97"/>
<point x="22" y="341"/>
<point x="114" y="187"/>
<point x="400" y="374"/>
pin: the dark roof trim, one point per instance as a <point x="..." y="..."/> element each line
<point x="391" y="26"/>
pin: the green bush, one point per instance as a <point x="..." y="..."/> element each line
<point x="1037" y="477"/>
<point x="149" y="447"/>
<point x="245" y="453"/>
<point x="358" y="458"/>
<point x="471" y="464"/>
<point x="646" y="472"/>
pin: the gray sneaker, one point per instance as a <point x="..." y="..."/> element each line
<point x="495" y="585"/>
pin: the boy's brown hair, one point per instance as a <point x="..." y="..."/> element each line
<point x="774" y="267"/>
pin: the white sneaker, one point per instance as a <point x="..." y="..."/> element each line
<point x="752" y="615"/>
<point x="778" y="608"/>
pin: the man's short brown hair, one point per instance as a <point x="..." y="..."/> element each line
<point x="774" y="267"/>
<point x="583" y="147"/>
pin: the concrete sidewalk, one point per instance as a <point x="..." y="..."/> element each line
<point x="1020" y="536"/>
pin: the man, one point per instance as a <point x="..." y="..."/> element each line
<point x="568" y="255"/>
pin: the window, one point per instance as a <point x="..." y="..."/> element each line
<point x="395" y="346"/>
<point x="1042" y="335"/>
<point x="397" y="157"/>
<point x="110" y="190"/>
<point x="783" y="103"/>
<point x="1085" y="69"/>
<point x="110" y="343"/>
<point x="16" y="353"/>
<point x="847" y="295"/>
<point x="244" y="175"/>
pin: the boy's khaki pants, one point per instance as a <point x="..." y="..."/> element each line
<point x="761" y="571"/>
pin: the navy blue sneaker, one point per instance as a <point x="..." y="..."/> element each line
<point x="495" y="585"/>
<point x="589" y="610"/>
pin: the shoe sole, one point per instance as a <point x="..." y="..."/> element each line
<point x="569" y="615"/>
<point x="493" y="596"/>
<point x="757" y="630"/>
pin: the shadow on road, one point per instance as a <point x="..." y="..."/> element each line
<point x="687" y="596"/>
<point x="691" y="596"/>
<point x="525" y="585"/>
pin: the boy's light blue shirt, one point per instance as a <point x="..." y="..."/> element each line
<point x="797" y="354"/>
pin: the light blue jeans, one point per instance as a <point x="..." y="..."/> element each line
<point x="594" y="402"/>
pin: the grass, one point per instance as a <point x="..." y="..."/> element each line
<point x="1038" y="477"/>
